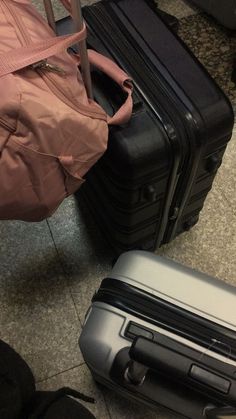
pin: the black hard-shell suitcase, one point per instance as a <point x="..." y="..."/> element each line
<point x="223" y="11"/>
<point x="152" y="181"/>
<point x="163" y="334"/>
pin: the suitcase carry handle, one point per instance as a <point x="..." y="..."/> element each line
<point x="112" y="70"/>
<point x="189" y="370"/>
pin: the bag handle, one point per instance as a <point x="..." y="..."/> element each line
<point x="112" y="70"/>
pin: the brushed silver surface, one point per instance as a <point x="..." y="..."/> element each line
<point x="194" y="291"/>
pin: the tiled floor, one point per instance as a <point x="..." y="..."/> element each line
<point x="50" y="270"/>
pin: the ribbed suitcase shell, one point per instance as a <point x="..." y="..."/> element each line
<point x="172" y="306"/>
<point x="152" y="182"/>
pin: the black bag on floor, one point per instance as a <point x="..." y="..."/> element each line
<point x="17" y="384"/>
<point x="20" y="400"/>
<point x="58" y="405"/>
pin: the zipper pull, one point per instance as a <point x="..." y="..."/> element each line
<point x="54" y="68"/>
<point x="44" y="65"/>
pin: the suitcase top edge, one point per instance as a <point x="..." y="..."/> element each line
<point x="194" y="291"/>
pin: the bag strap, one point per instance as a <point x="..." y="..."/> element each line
<point x="20" y="58"/>
<point x="111" y="69"/>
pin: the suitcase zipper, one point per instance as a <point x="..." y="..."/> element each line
<point x="50" y="79"/>
<point x="161" y="313"/>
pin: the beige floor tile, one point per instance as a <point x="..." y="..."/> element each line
<point x="85" y="257"/>
<point x="59" y="10"/>
<point x="178" y="8"/>
<point x="122" y="408"/>
<point x="83" y="288"/>
<point x="37" y="313"/>
<point x="226" y="177"/>
<point x="39" y="320"/>
<point x="80" y="379"/>
<point x="211" y="245"/>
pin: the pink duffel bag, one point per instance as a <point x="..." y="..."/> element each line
<point x="51" y="133"/>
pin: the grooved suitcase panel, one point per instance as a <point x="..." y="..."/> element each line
<point x="152" y="182"/>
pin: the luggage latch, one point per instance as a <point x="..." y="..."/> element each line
<point x="150" y="193"/>
<point x="175" y="214"/>
<point x="213" y="163"/>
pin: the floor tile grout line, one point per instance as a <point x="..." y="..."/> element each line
<point x="230" y="205"/>
<point x="70" y="369"/>
<point x="56" y="249"/>
<point x="64" y="272"/>
<point x="61" y="372"/>
<point x="75" y="306"/>
<point x="107" y="406"/>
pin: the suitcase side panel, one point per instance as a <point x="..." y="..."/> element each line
<point x="105" y="346"/>
<point x="131" y="182"/>
<point x="103" y="343"/>
<point x="206" y="98"/>
<point x="189" y="198"/>
<point x="134" y="216"/>
<point x="189" y="209"/>
<point x="134" y="221"/>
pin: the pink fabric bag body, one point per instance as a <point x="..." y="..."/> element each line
<point x="50" y="132"/>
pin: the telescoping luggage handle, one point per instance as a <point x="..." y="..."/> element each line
<point x="146" y="354"/>
<point x="74" y="7"/>
<point x="25" y="56"/>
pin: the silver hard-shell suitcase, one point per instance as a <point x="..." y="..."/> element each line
<point x="164" y="334"/>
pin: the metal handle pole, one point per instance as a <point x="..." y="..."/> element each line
<point x="50" y="14"/>
<point x="85" y="67"/>
<point x="78" y="26"/>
